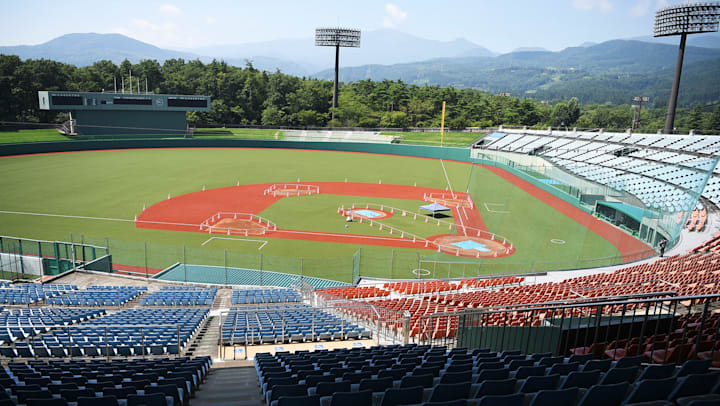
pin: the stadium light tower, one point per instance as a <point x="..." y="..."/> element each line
<point x="337" y="37"/>
<point x="684" y="19"/>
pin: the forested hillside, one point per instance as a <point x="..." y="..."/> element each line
<point x="252" y="97"/>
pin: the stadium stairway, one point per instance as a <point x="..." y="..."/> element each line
<point x="223" y="299"/>
<point x="230" y="386"/>
<point x="207" y="339"/>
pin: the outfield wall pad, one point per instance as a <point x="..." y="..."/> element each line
<point x="456" y="154"/>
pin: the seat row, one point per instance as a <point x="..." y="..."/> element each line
<point x="61" y="382"/>
<point x="28" y="293"/>
<point x="469" y="378"/>
<point x="24" y="323"/>
<point x="295" y="324"/>
<point x="130" y="332"/>
<point x="99" y="296"/>
<point x="180" y="296"/>
<point x="255" y="296"/>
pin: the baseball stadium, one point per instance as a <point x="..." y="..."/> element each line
<point x="145" y="262"/>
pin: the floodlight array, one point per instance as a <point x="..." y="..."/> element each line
<point x="690" y="18"/>
<point x="344" y="37"/>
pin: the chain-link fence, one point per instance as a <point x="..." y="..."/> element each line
<point x="24" y="258"/>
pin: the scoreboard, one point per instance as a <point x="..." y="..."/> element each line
<point x="54" y="100"/>
<point x="124" y="113"/>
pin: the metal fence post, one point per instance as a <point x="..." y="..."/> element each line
<point x="225" y="264"/>
<point x="392" y="262"/>
<point x="145" y="256"/>
<point x="406" y="327"/>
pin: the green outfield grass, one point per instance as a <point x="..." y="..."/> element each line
<point x="450" y="139"/>
<point x="41" y="135"/>
<point x="114" y="186"/>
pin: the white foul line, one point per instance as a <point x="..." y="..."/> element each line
<point x="194" y="225"/>
<point x="64" y="216"/>
<point x="452" y="193"/>
<point x="236" y="239"/>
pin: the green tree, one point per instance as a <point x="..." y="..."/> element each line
<point x="695" y="120"/>
<point x="9" y="102"/>
<point x="273" y="116"/>
<point x="713" y="122"/>
<point x="394" y="119"/>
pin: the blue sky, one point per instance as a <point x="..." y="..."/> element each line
<point x="498" y="25"/>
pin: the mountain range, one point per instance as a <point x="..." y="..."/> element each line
<point x="619" y="67"/>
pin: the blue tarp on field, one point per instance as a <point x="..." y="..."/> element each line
<point x="434" y="207"/>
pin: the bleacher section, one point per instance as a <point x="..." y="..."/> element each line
<point x="180" y="296"/>
<point x="28" y="293"/>
<point x="99" y="296"/>
<point x="38" y="320"/>
<point x="286" y="323"/>
<point x="393" y="375"/>
<point x="259" y="296"/>
<point x="159" y="381"/>
<point x="693" y="274"/>
<point x="660" y="170"/>
<point x="130" y="332"/>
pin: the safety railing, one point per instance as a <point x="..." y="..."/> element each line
<point x="660" y="327"/>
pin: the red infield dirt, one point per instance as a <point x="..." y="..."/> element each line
<point x="186" y="212"/>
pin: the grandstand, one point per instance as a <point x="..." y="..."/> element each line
<point x="662" y="171"/>
<point x="641" y="332"/>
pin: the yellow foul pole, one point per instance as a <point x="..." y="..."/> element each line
<point x="442" y="124"/>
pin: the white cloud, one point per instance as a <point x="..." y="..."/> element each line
<point x="604" y="6"/>
<point x="170" y="10"/>
<point x="394" y="16"/>
<point x="210" y="20"/>
<point x="643" y="7"/>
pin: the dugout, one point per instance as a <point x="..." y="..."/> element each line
<point x="97" y="114"/>
<point x="626" y="216"/>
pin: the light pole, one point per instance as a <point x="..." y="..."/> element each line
<point x="337" y="37"/>
<point x="638" y="109"/>
<point x="684" y="19"/>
